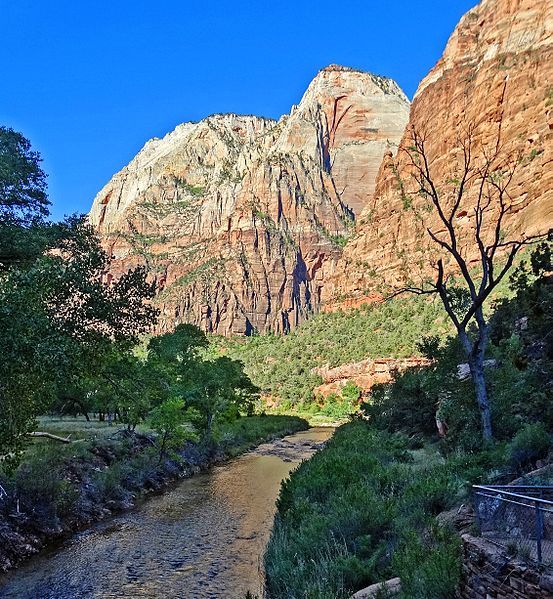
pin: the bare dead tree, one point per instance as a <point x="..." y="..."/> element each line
<point x="481" y="186"/>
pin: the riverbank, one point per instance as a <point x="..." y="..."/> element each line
<point x="363" y="510"/>
<point x="61" y="489"/>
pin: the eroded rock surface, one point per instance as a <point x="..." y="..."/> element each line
<point x="495" y="76"/>
<point x="365" y="374"/>
<point x="241" y="219"/>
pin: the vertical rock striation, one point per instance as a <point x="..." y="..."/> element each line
<point x="241" y="219"/>
<point x="496" y="75"/>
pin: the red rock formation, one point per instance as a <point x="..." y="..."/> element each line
<point x="496" y="75"/>
<point x="365" y="374"/>
<point x="241" y="219"/>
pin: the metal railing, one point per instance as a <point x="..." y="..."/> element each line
<point x="517" y="517"/>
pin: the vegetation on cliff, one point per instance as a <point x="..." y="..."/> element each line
<point x="282" y="366"/>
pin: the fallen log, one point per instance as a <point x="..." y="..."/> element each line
<point x="49" y="436"/>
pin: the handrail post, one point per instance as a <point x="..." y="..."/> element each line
<point x="539" y="529"/>
<point x="476" y="503"/>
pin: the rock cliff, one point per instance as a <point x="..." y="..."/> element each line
<point x="495" y="79"/>
<point x="241" y="219"/>
<point x="365" y="374"/>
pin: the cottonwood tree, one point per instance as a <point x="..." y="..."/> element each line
<point x="216" y="389"/>
<point x="469" y="261"/>
<point x="59" y="324"/>
<point x="219" y="389"/>
<point x="58" y="320"/>
<point x="24" y="233"/>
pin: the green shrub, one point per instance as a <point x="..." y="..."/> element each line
<point x="363" y="510"/>
<point x="40" y="486"/>
<point x="429" y="565"/>
<point x="530" y="444"/>
<point x="345" y="519"/>
<point x="406" y="405"/>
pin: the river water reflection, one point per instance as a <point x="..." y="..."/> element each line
<point x="202" y="539"/>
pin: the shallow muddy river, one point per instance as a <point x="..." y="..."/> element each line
<point x="203" y="539"/>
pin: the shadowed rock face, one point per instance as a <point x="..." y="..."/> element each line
<point x="496" y="75"/>
<point x="240" y="219"/>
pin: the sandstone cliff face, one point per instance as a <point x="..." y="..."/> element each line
<point x="240" y="219"/>
<point x="496" y="76"/>
<point x="365" y="374"/>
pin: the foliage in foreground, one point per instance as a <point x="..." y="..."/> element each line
<point x="58" y="319"/>
<point x="67" y="338"/>
<point x="361" y="511"/>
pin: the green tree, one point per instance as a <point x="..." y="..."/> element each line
<point x="58" y="324"/>
<point x="169" y="420"/>
<point x="219" y="389"/>
<point x="23" y="200"/>
<point x="181" y="348"/>
<point x="22" y="182"/>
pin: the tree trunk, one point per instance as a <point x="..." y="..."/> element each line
<point x="209" y="424"/>
<point x="162" y="448"/>
<point x="475" y="353"/>
<point x="49" y="436"/>
<point x="476" y="366"/>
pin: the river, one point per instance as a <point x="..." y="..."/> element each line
<point x="204" y="538"/>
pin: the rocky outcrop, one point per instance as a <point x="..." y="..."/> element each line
<point x="365" y="374"/>
<point x="241" y="219"/>
<point x="495" y="77"/>
<point x="388" y="588"/>
<point x="488" y="571"/>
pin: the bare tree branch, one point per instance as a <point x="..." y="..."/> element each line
<point x="483" y="180"/>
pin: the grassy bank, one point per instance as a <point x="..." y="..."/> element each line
<point x="60" y="488"/>
<point x="363" y="510"/>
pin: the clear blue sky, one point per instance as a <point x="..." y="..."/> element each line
<point x="89" y="82"/>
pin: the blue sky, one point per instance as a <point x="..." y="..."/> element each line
<point x="89" y="82"/>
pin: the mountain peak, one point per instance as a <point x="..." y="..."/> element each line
<point x="239" y="218"/>
<point x="346" y="77"/>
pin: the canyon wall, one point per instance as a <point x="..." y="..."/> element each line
<point x="241" y="219"/>
<point x="494" y="80"/>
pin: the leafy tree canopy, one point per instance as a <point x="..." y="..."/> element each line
<point x="23" y="197"/>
